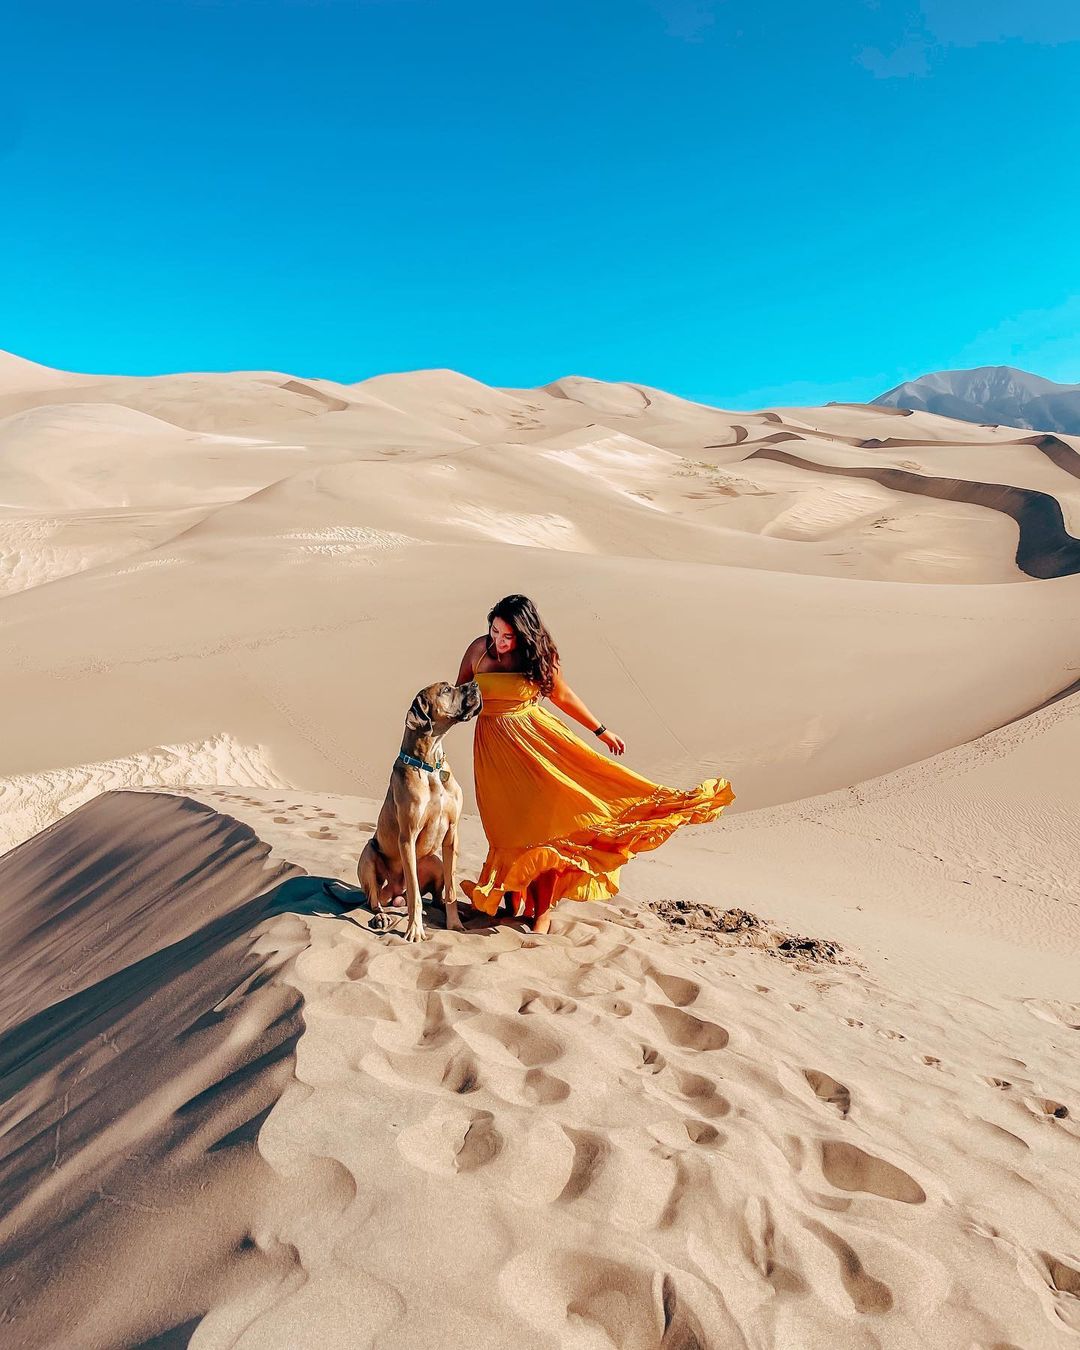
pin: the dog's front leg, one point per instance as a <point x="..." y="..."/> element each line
<point x="449" y="862"/>
<point x="414" y="931"/>
<point x="368" y="876"/>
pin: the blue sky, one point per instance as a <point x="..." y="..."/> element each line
<point x="741" y="203"/>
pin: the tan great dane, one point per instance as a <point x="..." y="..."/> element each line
<point x="416" y="836"/>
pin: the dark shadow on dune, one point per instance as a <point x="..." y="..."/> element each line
<point x="176" y="1338"/>
<point x="66" y="1027"/>
<point x="130" y="1109"/>
<point x="1060" y="454"/>
<point x="1055" y="450"/>
<point x="1045" y="548"/>
<point x="741" y="434"/>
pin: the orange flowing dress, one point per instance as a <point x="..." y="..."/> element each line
<point x="557" y="812"/>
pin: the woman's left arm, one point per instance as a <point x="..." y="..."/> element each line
<point x="564" y="697"/>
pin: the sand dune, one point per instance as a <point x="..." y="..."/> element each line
<point x="643" y="1136"/>
<point x="235" y="1116"/>
<point x="1045" y="548"/>
<point x="146" y="1035"/>
<point x="797" y="602"/>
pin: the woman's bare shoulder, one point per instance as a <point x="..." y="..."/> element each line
<point x="473" y="652"/>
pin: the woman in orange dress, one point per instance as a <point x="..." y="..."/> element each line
<point x="560" y="818"/>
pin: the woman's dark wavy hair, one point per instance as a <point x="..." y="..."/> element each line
<point x="537" y="650"/>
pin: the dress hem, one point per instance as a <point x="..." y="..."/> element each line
<point x="587" y="862"/>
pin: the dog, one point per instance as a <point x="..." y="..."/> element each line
<point x="415" y="843"/>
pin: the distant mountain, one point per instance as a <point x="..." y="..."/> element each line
<point x="996" y="394"/>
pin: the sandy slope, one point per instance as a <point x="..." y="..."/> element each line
<point x="234" y="1116"/>
<point x="271" y="1127"/>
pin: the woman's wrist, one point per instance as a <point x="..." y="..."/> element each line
<point x="597" y="731"/>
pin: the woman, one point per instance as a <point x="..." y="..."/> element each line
<point x="561" y="819"/>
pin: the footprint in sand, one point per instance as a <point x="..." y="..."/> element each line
<point x="430" y="1071"/>
<point x="701" y="1132"/>
<point x="867" y="1294"/>
<point x="688" y="1032"/>
<point x="1046" y="1106"/>
<point x="436" y="1030"/>
<point x="1063" y="1281"/>
<point x="1054" y="1011"/>
<point x="1038" y="1106"/>
<point x="532" y="1001"/>
<point x="701" y="1094"/>
<point x="827" y="1089"/>
<point x="452" y="1142"/>
<point x="540" y="1088"/>
<point x="357" y="968"/>
<point x="591" y="1151"/>
<point x="675" y="989"/>
<point x="481" y="1144"/>
<point x="432" y="977"/>
<point x="849" y="1168"/>
<point x="765" y="1247"/>
<point x="604" y="1303"/>
<point x="652" y="1061"/>
<point x="506" y="1040"/>
<point x="461" y="1074"/>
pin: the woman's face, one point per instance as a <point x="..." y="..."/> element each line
<point x="502" y="636"/>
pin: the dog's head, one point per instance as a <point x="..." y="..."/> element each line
<point x="440" y="705"/>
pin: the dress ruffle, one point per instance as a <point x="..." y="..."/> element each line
<point x="587" y="862"/>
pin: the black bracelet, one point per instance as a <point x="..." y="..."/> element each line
<point x="599" y="729"/>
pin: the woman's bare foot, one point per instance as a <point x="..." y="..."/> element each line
<point x="541" y="922"/>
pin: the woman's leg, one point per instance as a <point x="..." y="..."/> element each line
<point x="542" y="918"/>
<point x="540" y="892"/>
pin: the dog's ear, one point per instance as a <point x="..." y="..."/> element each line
<point x="418" y="718"/>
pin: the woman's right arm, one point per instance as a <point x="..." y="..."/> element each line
<point x="472" y="654"/>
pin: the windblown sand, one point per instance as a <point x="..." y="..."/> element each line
<point x="810" y="1081"/>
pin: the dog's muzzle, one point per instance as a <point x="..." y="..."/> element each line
<point x="471" y="700"/>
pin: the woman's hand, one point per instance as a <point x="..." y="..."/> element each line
<point x="613" y="743"/>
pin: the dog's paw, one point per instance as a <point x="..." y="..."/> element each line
<point x="380" y="921"/>
<point x="415" y="933"/>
